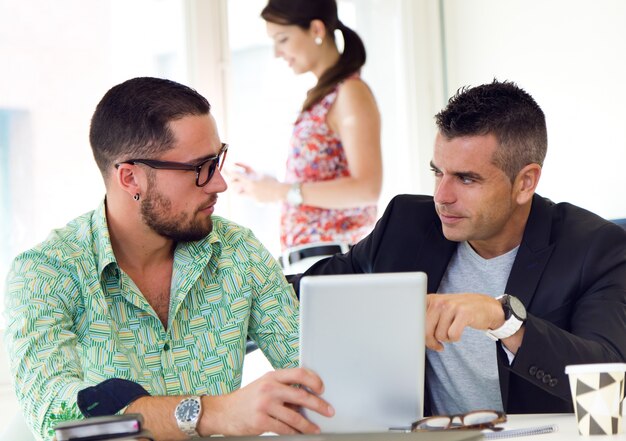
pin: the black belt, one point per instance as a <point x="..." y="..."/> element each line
<point x="321" y="250"/>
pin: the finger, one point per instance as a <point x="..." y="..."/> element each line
<point x="305" y="395"/>
<point x="301" y="397"/>
<point x="455" y="331"/>
<point x="430" y="339"/>
<point x="236" y="176"/>
<point x="443" y="310"/>
<point x="431" y="342"/>
<point x="280" y="428"/>
<point x="294" y="420"/>
<point x="442" y="330"/>
<point x="434" y="345"/>
<point x="301" y="376"/>
<point x="245" y="167"/>
<point x="432" y="318"/>
<point x="305" y="399"/>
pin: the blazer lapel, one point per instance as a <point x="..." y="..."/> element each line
<point x="532" y="257"/>
<point x="533" y="254"/>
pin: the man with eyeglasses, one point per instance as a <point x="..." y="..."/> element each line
<point x="144" y="305"/>
<point x="520" y="286"/>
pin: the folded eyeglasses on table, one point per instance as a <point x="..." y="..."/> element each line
<point x="475" y="420"/>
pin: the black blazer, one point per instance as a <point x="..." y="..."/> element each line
<point x="570" y="273"/>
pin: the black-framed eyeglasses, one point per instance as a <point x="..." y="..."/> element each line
<point x="476" y="420"/>
<point x="204" y="169"/>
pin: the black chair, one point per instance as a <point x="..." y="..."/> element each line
<point x="250" y="346"/>
<point x="620" y="222"/>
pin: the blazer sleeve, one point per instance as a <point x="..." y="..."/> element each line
<point x="585" y="321"/>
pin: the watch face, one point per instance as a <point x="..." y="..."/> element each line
<point x="517" y="308"/>
<point x="187" y="410"/>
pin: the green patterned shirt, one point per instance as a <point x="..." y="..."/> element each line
<point x="75" y="319"/>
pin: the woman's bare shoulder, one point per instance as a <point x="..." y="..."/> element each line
<point x="355" y="91"/>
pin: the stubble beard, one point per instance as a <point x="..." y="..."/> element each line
<point x="183" y="227"/>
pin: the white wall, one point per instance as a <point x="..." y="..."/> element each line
<point x="570" y="55"/>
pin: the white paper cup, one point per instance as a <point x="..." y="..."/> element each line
<point x="597" y="391"/>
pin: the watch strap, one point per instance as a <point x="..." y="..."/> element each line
<point x="510" y="326"/>
<point x="294" y="194"/>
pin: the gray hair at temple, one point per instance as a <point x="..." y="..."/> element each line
<point x="504" y="110"/>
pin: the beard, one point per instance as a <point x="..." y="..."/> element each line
<point x="181" y="227"/>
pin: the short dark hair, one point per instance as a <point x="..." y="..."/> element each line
<point x="132" y="119"/>
<point x="504" y="110"/>
<point x="301" y="13"/>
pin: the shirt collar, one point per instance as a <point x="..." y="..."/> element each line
<point x="202" y="249"/>
<point x="101" y="238"/>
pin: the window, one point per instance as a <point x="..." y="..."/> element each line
<point x="59" y="58"/>
<point x="14" y="179"/>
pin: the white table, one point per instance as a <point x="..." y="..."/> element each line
<point x="566" y="423"/>
<point x="567" y="431"/>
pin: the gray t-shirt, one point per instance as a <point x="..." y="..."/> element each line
<point x="464" y="376"/>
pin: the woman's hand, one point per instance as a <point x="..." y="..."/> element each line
<point x="261" y="188"/>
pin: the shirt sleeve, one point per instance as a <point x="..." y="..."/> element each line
<point x="274" y="314"/>
<point x="42" y="351"/>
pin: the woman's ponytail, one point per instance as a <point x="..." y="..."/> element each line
<point x="350" y="61"/>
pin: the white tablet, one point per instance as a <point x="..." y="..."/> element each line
<point x="364" y="335"/>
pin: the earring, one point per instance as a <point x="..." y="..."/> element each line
<point x="136" y="197"/>
<point x="318" y="41"/>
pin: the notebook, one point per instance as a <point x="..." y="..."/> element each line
<point x="364" y="335"/>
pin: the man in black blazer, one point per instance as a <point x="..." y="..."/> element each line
<point x="485" y="233"/>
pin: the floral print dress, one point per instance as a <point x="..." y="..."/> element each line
<point x="316" y="154"/>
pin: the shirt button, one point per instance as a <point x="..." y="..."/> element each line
<point x="553" y="382"/>
<point x="166" y="347"/>
<point x="546" y="378"/>
<point x="539" y="375"/>
<point x="532" y="370"/>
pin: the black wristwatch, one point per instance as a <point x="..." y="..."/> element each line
<point x="514" y="317"/>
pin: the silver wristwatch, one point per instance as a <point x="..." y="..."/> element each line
<point x="514" y="318"/>
<point x="187" y="415"/>
<point x="294" y="195"/>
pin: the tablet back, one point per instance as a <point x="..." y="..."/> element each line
<point x="364" y="335"/>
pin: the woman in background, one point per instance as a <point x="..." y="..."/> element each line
<point x="334" y="167"/>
